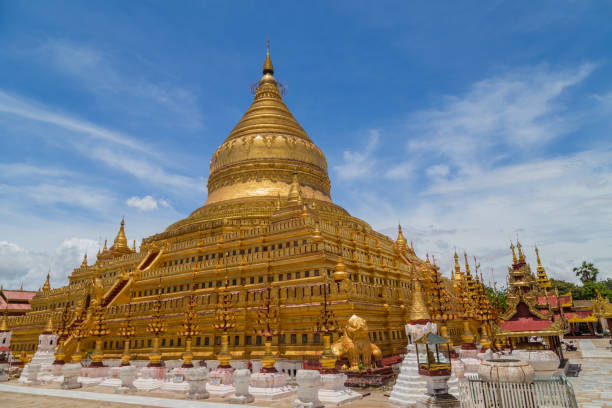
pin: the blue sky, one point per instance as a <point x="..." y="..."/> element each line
<point x="472" y="123"/>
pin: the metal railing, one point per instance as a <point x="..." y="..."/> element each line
<point x="545" y="392"/>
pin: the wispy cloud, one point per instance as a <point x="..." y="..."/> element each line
<point x="19" y="265"/>
<point x="519" y="110"/>
<point x="359" y="164"/>
<point x="146" y="203"/>
<point x="100" y="71"/>
<point x="491" y="171"/>
<point x="18" y="106"/>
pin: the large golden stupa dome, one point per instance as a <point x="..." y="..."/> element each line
<point x="265" y="150"/>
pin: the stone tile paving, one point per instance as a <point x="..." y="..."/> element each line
<point x="593" y="387"/>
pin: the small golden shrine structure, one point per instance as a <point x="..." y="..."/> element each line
<point x="529" y="311"/>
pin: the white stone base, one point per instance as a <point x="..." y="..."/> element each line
<point x="147" y="384"/>
<point x="178" y="387"/>
<point x="272" y="393"/>
<point x="111" y="382"/>
<point x="242" y="399"/>
<point x="220" y="390"/>
<point x="334" y="392"/>
<point x="334" y="397"/>
<point x="90" y="381"/>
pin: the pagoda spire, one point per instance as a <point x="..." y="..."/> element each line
<point x="84" y="263"/>
<point x="295" y="194"/>
<point x="542" y="277"/>
<point x="514" y="260"/>
<point x="268" y="68"/>
<point x="457" y="267"/>
<point x="105" y="247"/>
<point x="418" y="310"/>
<point x="520" y="251"/>
<point x="120" y="242"/>
<point x="47" y="285"/>
<point x="401" y="242"/>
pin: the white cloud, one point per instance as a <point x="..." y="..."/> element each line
<point x="100" y="71"/>
<point x="438" y="170"/>
<point x="518" y="110"/>
<point x="493" y="173"/>
<point x="22" y="266"/>
<point x="15" y="105"/>
<point x="359" y="165"/>
<point x="146" y="203"/>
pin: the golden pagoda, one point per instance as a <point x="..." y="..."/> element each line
<point x="268" y="221"/>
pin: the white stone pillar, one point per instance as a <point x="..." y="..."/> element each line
<point x="309" y="382"/>
<point x="197" y="377"/>
<point x="71" y="373"/>
<point x="127" y="375"/>
<point x="241" y="385"/>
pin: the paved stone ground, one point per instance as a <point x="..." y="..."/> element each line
<point x="593" y="388"/>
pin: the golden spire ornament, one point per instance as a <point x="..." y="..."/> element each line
<point x="127" y="331"/>
<point x="267" y="322"/>
<point x="63" y="331"/>
<point x="99" y="329"/>
<point x="78" y="334"/>
<point x="225" y="319"/>
<point x="190" y="326"/>
<point x="514" y="260"/>
<point x="542" y="277"/>
<point x="84" y="263"/>
<point x="327" y="325"/>
<point x="47" y="285"/>
<point x="156" y="327"/>
<point x="401" y="242"/>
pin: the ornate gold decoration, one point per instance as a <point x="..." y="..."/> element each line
<point x="327" y="325"/>
<point x="225" y="319"/>
<point x="190" y="326"/>
<point x="267" y="321"/>
<point x="99" y="329"/>
<point x="126" y="332"/>
<point x="156" y="327"/>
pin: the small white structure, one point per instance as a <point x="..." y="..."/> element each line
<point x="176" y="381"/>
<point x="221" y="381"/>
<point x="43" y="358"/>
<point x="410" y="385"/>
<point x="197" y="377"/>
<point x="270" y="385"/>
<point x="334" y="392"/>
<point x="309" y="382"/>
<point x="241" y="386"/>
<point x="150" y="378"/>
<point x="71" y="373"/>
<point x="127" y="375"/>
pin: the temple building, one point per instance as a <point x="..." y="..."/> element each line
<point x="269" y="234"/>
<point x="530" y="308"/>
<point x="16" y="302"/>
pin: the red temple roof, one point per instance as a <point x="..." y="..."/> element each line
<point x="18" y="295"/>
<point x="525" y="324"/>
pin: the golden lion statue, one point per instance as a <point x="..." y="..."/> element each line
<point x="355" y="345"/>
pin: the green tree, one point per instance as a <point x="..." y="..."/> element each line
<point x="497" y="297"/>
<point x="562" y="286"/>
<point x="587" y="272"/>
<point x="589" y="290"/>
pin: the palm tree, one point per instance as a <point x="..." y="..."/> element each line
<point x="587" y="272"/>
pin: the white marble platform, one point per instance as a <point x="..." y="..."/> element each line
<point x="118" y="398"/>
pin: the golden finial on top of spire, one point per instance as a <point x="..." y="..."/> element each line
<point x="427" y="257"/>
<point x="542" y="277"/>
<point x="105" y="247"/>
<point x="84" y="263"/>
<point x="467" y="265"/>
<point x="120" y="242"/>
<point x="268" y="68"/>
<point x="47" y="285"/>
<point x="134" y="246"/>
<point x="401" y="241"/>
<point x="457" y="267"/>
<point x="520" y="251"/>
<point x="514" y="260"/>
